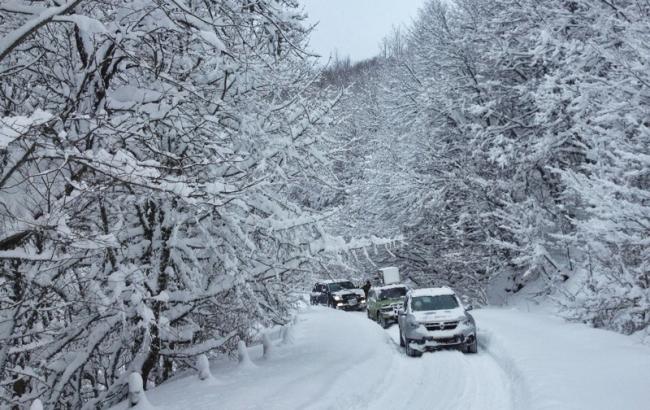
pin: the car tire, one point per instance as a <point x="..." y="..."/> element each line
<point x="382" y="321"/>
<point x="411" y="352"/>
<point x="401" y="339"/>
<point x="471" y="347"/>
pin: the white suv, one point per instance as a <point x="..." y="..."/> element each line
<point x="434" y="318"/>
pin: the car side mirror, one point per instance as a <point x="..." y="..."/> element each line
<point x="469" y="307"/>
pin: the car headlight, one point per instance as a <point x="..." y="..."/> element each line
<point x="467" y="321"/>
<point x="337" y="297"/>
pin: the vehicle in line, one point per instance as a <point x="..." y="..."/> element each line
<point x="338" y="294"/>
<point x="384" y="303"/>
<point x="389" y="275"/>
<point x="434" y="318"/>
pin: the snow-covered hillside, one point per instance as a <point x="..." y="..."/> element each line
<point x="342" y="360"/>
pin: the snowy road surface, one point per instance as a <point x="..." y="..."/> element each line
<point x="341" y="360"/>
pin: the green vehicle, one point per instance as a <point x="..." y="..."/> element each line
<point x="384" y="303"/>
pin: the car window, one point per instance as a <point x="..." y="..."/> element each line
<point x="438" y="302"/>
<point x="335" y="287"/>
<point x="392" y="293"/>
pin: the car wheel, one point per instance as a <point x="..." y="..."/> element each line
<point x="382" y="321"/>
<point x="472" y="347"/>
<point x="401" y="339"/>
<point x="368" y="314"/>
<point x="411" y="352"/>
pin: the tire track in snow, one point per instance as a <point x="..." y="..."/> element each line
<point x="362" y="361"/>
<point x="344" y="361"/>
<point x="447" y="380"/>
<point x="519" y="390"/>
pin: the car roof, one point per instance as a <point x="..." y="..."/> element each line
<point x="327" y="282"/>
<point x="444" y="290"/>
<point x="393" y="286"/>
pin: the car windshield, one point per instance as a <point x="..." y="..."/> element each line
<point x="335" y="287"/>
<point x="438" y="302"/>
<point x="392" y="293"/>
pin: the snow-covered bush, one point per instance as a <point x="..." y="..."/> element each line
<point x="137" y="398"/>
<point x="36" y="405"/>
<point x="203" y="366"/>
<point x="286" y="334"/>
<point x="267" y="346"/>
<point x="243" y="356"/>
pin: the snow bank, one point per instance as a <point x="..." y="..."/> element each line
<point x="558" y="365"/>
<point x="343" y="360"/>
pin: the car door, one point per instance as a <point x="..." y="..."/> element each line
<point x="372" y="303"/>
<point x="403" y="312"/>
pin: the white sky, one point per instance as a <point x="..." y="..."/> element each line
<point x="355" y="27"/>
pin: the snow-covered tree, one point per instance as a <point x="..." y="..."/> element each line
<point x="149" y="151"/>
<point x="510" y="137"/>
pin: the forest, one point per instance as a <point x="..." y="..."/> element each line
<point x="174" y="173"/>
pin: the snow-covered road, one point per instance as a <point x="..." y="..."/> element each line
<point x="340" y="360"/>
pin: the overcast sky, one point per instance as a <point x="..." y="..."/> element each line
<point x="355" y="27"/>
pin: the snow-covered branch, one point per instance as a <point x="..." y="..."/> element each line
<point x="16" y="37"/>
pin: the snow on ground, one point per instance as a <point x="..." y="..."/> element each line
<point x="567" y="366"/>
<point x="341" y="360"/>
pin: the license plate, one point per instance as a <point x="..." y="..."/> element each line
<point x="352" y="301"/>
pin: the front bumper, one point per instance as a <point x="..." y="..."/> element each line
<point x="346" y="305"/>
<point x="422" y="339"/>
<point x="389" y="314"/>
<point x="430" y="343"/>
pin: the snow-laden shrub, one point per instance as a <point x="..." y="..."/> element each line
<point x="242" y="355"/>
<point x="137" y="398"/>
<point x="286" y="334"/>
<point x="203" y="366"/>
<point x="267" y="346"/>
<point x="36" y="405"/>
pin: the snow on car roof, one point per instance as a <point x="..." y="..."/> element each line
<point x="393" y="286"/>
<point x="328" y="281"/>
<point x="432" y="291"/>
